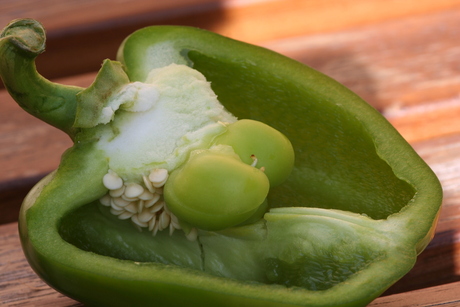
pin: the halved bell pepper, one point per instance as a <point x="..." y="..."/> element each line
<point x="350" y="219"/>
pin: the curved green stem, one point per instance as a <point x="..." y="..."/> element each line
<point x="20" y="43"/>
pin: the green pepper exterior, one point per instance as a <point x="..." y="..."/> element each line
<point x="359" y="198"/>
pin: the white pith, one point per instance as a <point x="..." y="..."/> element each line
<point x="156" y="124"/>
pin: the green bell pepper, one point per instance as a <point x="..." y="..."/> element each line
<point x="332" y="220"/>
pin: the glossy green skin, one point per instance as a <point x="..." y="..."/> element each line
<point x="359" y="198"/>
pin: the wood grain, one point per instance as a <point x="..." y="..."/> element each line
<point x="73" y="25"/>
<point x="393" y="64"/>
<point x="19" y="285"/>
<point x="403" y="57"/>
<point x="446" y="296"/>
<point x="241" y="19"/>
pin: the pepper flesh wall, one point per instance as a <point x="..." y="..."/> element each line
<point x="336" y="229"/>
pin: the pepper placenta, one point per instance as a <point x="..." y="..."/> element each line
<point x="333" y="222"/>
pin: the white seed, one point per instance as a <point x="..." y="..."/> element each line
<point x="159" y="191"/>
<point x="155" y="229"/>
<point x="148" y="184"/>
<point x="105" y="200"/>
<point x="145" y="216"/>
<point x="116" y="212"/>
<point x="117" y="192"/>
<point x="174" y="219"/>
<point x="112" y="181"/>
<point x="159" y="185"/>
<point x="152" y="222"/>
<point x="132" y="207"/>
<point x="115" y="207"/>
<point x="125" y="215"/>
<point x="175" y="224"/>
<point x="143" y="205"/>
<point x="157" y="207"/>
<point x="158" y="177"/>
<point x="149" y="203"/>
<point x="136" y="221"/>
<point x="146" y="195"/>
<point x="133" y="190"/>
<point x="164" y="220"/>
<point x="140" y="206"/>
<point x="129" y="198"/>
<point x="120" y="202"/>
<point x="192" y="235"/>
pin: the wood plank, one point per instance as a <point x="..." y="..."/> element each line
<point x="19" y="285"/>
<point x="428" y="120"/>
<point x="445" y="295"/>
<point x="411" y="78"/>
<point x="65" y="16"/>
<point x="299" y="17"/>
<point x="75" y="26"/>
<point x="392" y="64"/>
<point x="245" y="20"/>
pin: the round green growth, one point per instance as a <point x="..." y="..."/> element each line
<point x="260" y="145"/>
<point x="215" y="190"/>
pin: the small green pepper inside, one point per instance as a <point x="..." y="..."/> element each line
<point x="215" y="190"/>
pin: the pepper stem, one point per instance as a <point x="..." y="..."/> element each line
<point x="20" y="43"/>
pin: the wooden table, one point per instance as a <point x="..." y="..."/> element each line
<point x="403" y="57"/>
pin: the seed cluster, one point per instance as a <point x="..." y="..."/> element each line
<point x="143" y="204"/>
